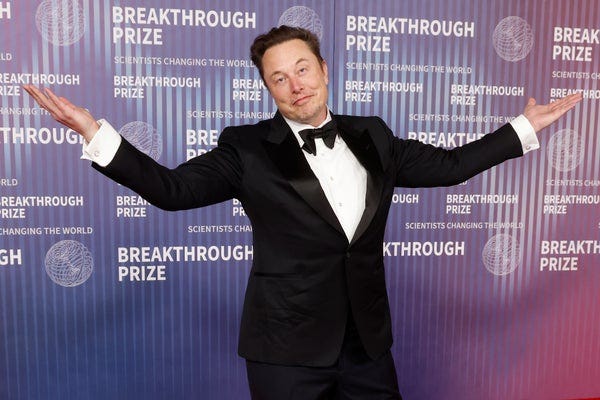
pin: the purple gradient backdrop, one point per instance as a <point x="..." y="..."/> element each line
<point x="460" y="331"/>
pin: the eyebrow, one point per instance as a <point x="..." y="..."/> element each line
<point x="300" y="60"/>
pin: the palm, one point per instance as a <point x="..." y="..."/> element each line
<point x="540" y="116"/>
<point x="65" y="112"/>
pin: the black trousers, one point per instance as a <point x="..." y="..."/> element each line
<point x="354" y="376"/>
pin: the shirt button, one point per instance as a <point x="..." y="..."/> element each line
<point x="97" y="153"/>
<point x="340" y="204"/>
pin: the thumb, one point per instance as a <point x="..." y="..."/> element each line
<point x="531" y="102"/>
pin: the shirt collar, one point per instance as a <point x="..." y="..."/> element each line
<point x="296" y="127"/>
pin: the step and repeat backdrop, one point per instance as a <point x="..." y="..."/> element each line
<point x="494" y="284"/>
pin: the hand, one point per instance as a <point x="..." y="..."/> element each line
<point x="540" y="116"/>
<point x="63" y="111"/>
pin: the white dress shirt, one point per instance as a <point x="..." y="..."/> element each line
<point x="342" y="177"/>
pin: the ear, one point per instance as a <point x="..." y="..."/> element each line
<point x="325" y="71"/>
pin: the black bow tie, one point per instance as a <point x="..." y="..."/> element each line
<point x="327" y="132"/>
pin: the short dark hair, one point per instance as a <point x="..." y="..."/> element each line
<point x="278" y="35"/>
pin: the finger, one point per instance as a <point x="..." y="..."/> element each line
<point x="63" y="108"/>
<point x="50" y="102"/>
<point x="567" y="102"/>
<point x="573" y="98"/>
<point x="67" y="103"/>
<point x="55" y="99"/>
<point x="34" y="92"/>
<point x="40" y="98"/>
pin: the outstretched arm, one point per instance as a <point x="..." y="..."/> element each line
<point x="65" y="112"/>
<point x="425" y="166"/>
<point x="540" y="116"/>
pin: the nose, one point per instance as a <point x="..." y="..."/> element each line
<point x="296" y="84"/>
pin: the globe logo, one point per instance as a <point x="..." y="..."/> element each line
<point x="302" y="17"/>
<point x="565" y="150"/>
<point x="144" y="137"/>
<point x="513" y="39"/>
<point x="60" y="22"/>
<point x="501" y="254"/>
<point x="69" y="263"/>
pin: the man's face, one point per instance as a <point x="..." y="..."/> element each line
<point x="297" y="81"/>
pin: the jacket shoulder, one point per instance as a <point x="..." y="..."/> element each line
<point x="246" y="133"/>
<point x="360" y="120"/>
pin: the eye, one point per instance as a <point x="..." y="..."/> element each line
<point x="279" y="79"/>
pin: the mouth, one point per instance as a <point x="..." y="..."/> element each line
<point x="302" y="100"/>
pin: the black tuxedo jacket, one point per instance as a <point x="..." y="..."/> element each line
<point x="306" y="276"/>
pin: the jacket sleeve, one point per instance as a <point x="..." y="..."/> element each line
<point x="422" y="165"/>
<point x="207" y="179"/>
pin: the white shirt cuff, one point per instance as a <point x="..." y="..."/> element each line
<point x="103" y="146"/>
<point x="526" y="133"/>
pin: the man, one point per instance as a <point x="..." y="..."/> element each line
<point x="316" y="321"/>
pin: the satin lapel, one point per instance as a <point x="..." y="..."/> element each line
<point x="361" y="144"/>
<point x="283" y="149"/>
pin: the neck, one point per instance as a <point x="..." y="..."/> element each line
<point x="297" y="126"/>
